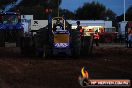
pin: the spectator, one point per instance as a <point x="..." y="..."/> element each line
<point x="120" y="38"/>
<point x="96" y="38"/>
<point x="130" y="40"/>
<point x="78" y="26"/>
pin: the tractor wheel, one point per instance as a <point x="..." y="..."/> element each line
<point x="2" y="38"/>
<point x="27" y="46"/>
<point x="42" y="43"/>
<point x="19" y="34"/>
<point x="87" y="45"/>
<point x="44" y="52"/>
<point x="47" y="51"/>
<point x="75" y="43"/>
<point x="90" y="45"/>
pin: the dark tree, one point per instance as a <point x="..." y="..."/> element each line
<point x="3" y="3"/>
<point x="67" y="14"/>
<point x="128" y="15"/>
<point x="94" y="11"/>
<point x="38" y="8"/>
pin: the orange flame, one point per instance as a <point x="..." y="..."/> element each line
<point x="84" y="73"/>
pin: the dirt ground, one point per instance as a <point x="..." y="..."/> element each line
<point x="109" y="61"/>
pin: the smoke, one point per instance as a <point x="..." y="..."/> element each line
<point x="9" y="6"/>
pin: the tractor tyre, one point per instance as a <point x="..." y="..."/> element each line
<point x="27" y="46"/>
<point x="2" y="38"/>
<point x="47" y="51"/>
<point x="91" y="45"/>
<point x="42" y="43"/>
<point x="87" y="45"/>
<point x="75" y="43"/>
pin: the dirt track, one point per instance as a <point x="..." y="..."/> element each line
<point x="107" y="62"/>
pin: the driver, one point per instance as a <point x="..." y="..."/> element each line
<point x="58" y="22"/>
<point x="58" y="25"/>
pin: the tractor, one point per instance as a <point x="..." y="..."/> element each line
<point x="54" y="39"/>
<point x="57" y="38"/>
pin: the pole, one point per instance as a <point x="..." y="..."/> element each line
<point x="124" y="11"/>
<point x="58" y="8"/>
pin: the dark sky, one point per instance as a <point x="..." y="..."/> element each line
<point x="116" y="5"/>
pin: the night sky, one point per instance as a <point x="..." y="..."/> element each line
<point x="116" y="5"/>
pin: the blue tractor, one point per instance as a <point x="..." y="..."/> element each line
<point x="58" y="39"/>
<point x="11" y="28"/>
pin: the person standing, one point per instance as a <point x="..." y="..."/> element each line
<point x="78" y="26"/>
<point x="80" y="29"/>
<point x="130" y="40"/>
<point x="96" y="38"/>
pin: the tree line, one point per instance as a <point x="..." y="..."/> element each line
<point x="89" y="11"/>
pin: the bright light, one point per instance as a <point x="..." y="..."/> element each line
<point x="88" y="27"/>
<point x="74" y="27"/>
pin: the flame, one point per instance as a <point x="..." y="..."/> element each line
<point x="84" y="73"/>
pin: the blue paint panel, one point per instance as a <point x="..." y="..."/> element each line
<point x="10" y="21"/>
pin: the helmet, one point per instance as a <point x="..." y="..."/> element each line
<point x="58" y="20"/>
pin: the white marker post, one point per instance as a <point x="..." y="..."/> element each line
<point x="124" y="11"/>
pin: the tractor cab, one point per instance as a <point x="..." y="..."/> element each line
<point x="58" y="25"/>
